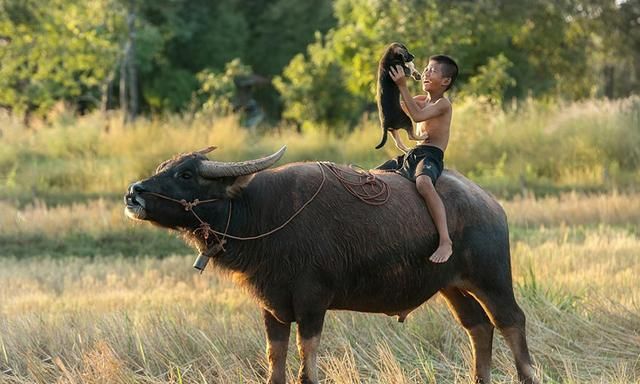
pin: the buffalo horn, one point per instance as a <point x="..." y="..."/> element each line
<point x="204" y="151"/>
<point x="212" y="169"/>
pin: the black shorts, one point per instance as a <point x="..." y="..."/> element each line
<point x="422" y="160"/>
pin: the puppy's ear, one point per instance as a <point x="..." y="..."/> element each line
<point x="398" y="50"/>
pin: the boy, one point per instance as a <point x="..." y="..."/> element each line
<point x="424" y="163"/>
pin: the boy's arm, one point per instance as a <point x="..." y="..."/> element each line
<point x="416" y="113"/>
<point x="396" y="139"/>
<point x="421" y="100"/>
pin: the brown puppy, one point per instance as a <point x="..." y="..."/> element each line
<point x="388" y="96"/>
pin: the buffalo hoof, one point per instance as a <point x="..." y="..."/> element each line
<point x="306" y="380"/>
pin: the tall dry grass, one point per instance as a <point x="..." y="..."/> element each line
<point x="104" y="216"/>
<point x="573" y="209"/>
<point x="121" y="320"/>
<point x="150" y="320"/>
<point x="113" y="319"/>
<point x="534" y="145"/>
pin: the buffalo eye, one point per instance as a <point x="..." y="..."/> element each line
<point x="186" y="175"/>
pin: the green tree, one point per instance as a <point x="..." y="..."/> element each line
<point x="284" y="29"/>
<point x="491" y="81"/>
<point x="313" y="88"/>
<point x="616" y="29"/>
<point x="217" y="89"/>
<point x="505" y="49"/>
<point x="184" y="38"/>
<point x="55" y="51"/>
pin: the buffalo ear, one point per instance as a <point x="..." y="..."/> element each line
<point x="235" y="189"/>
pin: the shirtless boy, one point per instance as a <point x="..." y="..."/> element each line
<point x="424" y="163"/>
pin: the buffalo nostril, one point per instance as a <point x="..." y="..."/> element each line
<point x="136" y="188"/>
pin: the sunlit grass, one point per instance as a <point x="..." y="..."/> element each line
<point x="104" y="216"/>
<point x="95" y="216"/>
<point x="111" y="317"/>
<point x="574" y="209"/>
<point x="534" y="145"/>
<point x="155" y="320"/>
<point x="85" y="299"/>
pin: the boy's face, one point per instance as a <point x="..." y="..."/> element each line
<point x="433" y="78"/>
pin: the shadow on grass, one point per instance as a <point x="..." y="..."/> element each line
<point x="158" y="244"/>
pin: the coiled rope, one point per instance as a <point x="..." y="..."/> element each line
<point x="362" y="184"/>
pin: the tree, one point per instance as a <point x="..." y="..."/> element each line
<point x="491" y="81"/>
<point x="218" y="90"/>
<point x="617" y="39"/>
<point x="505" y="49"/>
<point x="54" y="51"/>
<point x="180" y="39"/>
<point x="313" y="88"/>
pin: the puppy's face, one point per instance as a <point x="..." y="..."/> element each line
<point x="402" y="56"/>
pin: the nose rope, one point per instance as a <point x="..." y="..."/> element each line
<point x="205" y="229"/>
<point x="372" y="191"/>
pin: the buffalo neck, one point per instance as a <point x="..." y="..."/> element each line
<point x="259" y="209"/>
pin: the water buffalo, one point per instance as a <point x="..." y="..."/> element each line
<point x="302" y="244"/>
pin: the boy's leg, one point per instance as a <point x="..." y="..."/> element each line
<point x="438" y="214"/>
<point x="392" y="164"/>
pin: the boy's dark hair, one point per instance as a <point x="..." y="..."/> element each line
<point x="449" y="67"/>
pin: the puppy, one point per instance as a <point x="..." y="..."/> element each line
<point x="388" y="95"/>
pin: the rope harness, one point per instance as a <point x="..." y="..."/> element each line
<point x="366" y="187"/>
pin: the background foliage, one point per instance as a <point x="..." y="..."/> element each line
<point x="323" y="66"/>
<point x="539" y="147"/>
<point x="94" y="94"/>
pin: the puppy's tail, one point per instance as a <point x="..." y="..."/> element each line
<point x="384" y="139"/>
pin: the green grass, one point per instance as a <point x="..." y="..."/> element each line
<point x="531" y="147"/>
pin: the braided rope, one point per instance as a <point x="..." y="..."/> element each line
<point x="367" y="188"/>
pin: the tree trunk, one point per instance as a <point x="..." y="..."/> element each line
<point x="131" y="63"/>
<point x="106" y="89"/>
<point x="124" y="105"/>
<point x="609" y="84"/>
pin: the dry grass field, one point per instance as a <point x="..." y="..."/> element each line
<point x="144" y="319"/>
<point x="87" y="296"/>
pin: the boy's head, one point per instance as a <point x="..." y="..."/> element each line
<point x="440" y="73"/>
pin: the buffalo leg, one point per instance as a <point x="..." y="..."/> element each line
<point x="473" y="318"/>
<point x="308" y="338"/>
<point x="507" y="316"/>
<point x="277" y="345"/>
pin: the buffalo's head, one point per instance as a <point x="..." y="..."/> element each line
<point x="189" y="177"/>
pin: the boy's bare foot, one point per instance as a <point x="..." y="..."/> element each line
<point x="442" y="254"/>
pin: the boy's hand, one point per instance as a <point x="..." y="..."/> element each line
<point x="397" y="75"/>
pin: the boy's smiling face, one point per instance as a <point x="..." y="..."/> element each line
<point x="433" y="78"/>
